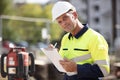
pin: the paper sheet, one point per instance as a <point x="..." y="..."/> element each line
<point x="54" y="56"/>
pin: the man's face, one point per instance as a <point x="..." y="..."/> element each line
<point x="67" y="21"/>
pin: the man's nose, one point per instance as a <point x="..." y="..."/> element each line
<point x="63" y="23"/>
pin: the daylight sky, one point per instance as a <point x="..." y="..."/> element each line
<point x="37" y="1"/>
<point x="32" y="1"/>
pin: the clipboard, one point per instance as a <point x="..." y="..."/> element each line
<point x="54" y="56"/>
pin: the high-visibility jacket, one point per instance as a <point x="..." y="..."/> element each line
<point x="89" y="50"/>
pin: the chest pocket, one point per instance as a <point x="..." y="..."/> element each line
<point x="75" y="52"/>
<point x="65" y="49"/>
<point x="77" y="49"/>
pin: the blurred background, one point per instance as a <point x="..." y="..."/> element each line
<point x="27" y="23"/>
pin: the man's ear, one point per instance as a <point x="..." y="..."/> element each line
<point x="75" y="14"/>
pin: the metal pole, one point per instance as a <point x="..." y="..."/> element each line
<point x="88" y="12"/>
<point x="114" y="18"/>
<point x="0" y="35"/>
<point x="48" y="29"/>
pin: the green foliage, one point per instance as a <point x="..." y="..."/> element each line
<point x="6" y="7"/>
<point x="47" y="11"/>
<point x="3" y="6"/>
<point x="16" y="30"/>
<point x="30" y="10"/>
<point x="55" y="31"/>
<point x="7" y="31"/>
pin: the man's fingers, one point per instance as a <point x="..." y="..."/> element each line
<point x="50" y="46"/>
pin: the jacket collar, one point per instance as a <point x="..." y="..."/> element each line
<point x="80" y="33"/>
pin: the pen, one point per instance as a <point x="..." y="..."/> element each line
<point x="55" y="44"/>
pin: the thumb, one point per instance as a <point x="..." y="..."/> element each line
<point x="65" y="59"/>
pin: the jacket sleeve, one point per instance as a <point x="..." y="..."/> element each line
<point x="92" y="71"/>
<point x="86" y="72"/>
<point x="99" y="53"/>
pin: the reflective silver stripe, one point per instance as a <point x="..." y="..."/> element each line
<point x="101" y="62"/>
<point x="105" y="73"/>
<point x="82" y="58"/>
<point x="100" y="78"/>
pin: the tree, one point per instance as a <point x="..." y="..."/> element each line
<point x="6" y="7"/>
<point x="3" y="5"/>
<point x="30" y="31"/>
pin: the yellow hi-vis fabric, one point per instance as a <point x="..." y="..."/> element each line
<point x="91" y="48"/>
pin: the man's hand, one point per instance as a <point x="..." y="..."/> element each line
<point x="69" y="65"/>
<point x="50" y="46"/>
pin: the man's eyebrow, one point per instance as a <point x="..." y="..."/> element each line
<point x="69" y="10"/>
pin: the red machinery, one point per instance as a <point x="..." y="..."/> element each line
<point x="19" y="64"/>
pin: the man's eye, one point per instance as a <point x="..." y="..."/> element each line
<point x="65" y="18"/>
<point x="59" y="22"/>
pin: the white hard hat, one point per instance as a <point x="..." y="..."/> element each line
<point x="60" y="8"/>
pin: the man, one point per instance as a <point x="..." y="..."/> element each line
<point x="85" y="51"/>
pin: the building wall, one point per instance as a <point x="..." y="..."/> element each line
<point x="118" y="18"/>
<point x="97" y="14"/>
<point x="81" y="7"/>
